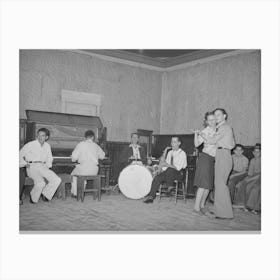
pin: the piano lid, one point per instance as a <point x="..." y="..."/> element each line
<point x="63" y="119"/>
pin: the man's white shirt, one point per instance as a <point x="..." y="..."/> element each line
<point x="87" y="152"/>
<point x="136" y="152"/>
<point x="179" y="159"/>
<point x="34" y="151"/>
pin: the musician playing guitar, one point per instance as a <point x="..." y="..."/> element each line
<point x="171" y="168"/>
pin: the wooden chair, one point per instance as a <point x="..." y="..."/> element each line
<point x="28" y="182"/>
<point x="26" y="186"/>
<point x="178" y="190"/>
<point x="96" y="189"/>
<point x="22" y="176"/>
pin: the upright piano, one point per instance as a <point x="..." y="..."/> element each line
<point x="66" y="131"/>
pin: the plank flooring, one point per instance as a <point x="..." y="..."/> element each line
<point x="116" y="213"/>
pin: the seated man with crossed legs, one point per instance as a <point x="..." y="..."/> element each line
<point x="172" y="167"/>
<point x="36" y="156"/>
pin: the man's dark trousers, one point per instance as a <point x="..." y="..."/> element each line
<point x="168" y="176"/>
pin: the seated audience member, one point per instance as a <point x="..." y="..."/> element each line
<point x="253" y="196"/>
<point x="239" y="171"/>
<point x="245" y="186"/>
<point x="36" y="156"/>
<point x="87" y="153"/>
<point x="172" y="167"/>
<point x="132" y="151"/>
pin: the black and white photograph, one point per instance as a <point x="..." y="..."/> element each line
<point x="140" y="140"/>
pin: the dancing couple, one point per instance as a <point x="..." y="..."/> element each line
<point x="214" y="164"/>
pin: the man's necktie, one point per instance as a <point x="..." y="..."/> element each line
<point x="171" y="161"/>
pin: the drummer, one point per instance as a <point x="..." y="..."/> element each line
<point x="172" y="168"/>
<point x="132" y="152"/>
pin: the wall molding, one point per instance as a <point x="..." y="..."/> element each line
<point x="212" y="56"/>
<point x="208" y="59"/>
<point x="117" y="60"/>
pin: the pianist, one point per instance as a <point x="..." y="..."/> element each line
<point x="36" y="156"/>
<point x="87" y="153"/>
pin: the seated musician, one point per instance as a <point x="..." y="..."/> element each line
<point x="132" y="152"/>
<point x="36" y="156"/>
<point x="87" y="153"/>
<point x="239" y="171"/>
<point x="172" y="167"/>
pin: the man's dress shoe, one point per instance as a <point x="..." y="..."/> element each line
<point x="148" y="200"/>
<point x="44" y="198"/>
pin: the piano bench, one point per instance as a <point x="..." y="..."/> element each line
<point x="96" y="189"/>
<point x="65" y="179"/>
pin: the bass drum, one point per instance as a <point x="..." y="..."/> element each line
<point x="135" y="181"/>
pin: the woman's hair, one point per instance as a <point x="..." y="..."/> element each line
<point x="223" y="111"/>
<point x="206" y="117"/>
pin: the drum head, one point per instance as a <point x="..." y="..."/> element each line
<point x="135" y="181"/>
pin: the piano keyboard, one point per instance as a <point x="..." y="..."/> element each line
<point x="61" y="157"/>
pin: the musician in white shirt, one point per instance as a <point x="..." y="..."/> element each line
<point x="87" y="153"/>
<point x="36" y="156"/>
<point x="172" y="167"/>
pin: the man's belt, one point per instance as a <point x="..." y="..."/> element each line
<point x="221" y="148"/>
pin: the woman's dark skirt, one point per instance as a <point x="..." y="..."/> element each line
<point x="204" y="174"/>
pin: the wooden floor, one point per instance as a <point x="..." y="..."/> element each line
<point x="117" y="213"/>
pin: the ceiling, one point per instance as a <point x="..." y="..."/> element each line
<point x="161" y="53"/>
<point x="162" y="58"/>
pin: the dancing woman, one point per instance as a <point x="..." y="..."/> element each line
<point x="204" y="175"/>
